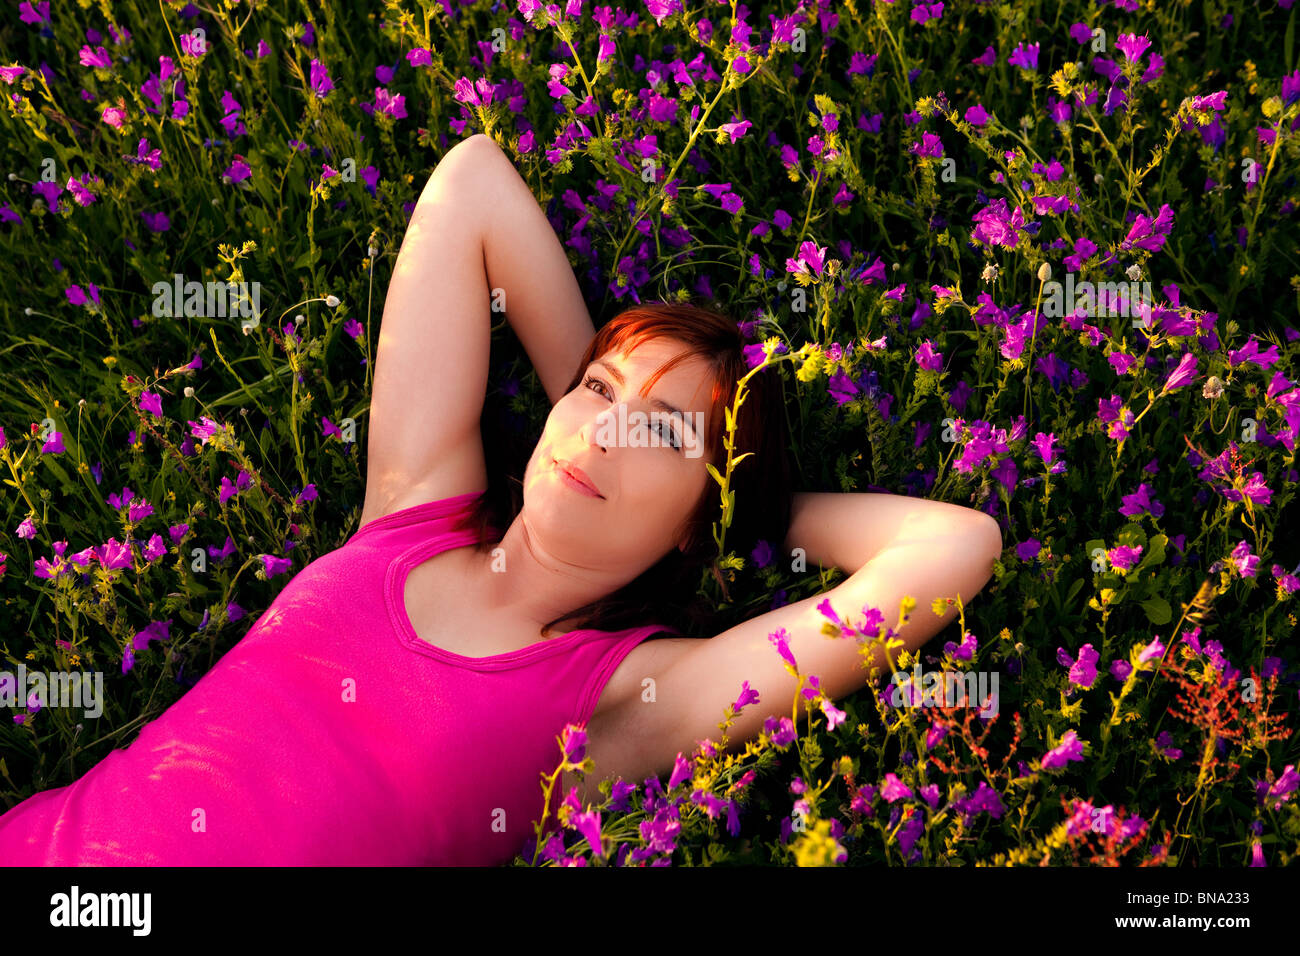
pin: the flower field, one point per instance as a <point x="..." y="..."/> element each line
<point x="1039" y="259"/>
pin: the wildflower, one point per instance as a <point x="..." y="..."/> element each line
<point x="274" y="565"/>
<point x="1083" y="671"/>
<point x="1025" y="57"/>
<point x="1213" y="387"/>
<point x="392" y="104"/>
<point x="990" y="273"/>
<point x="151" y="402"/>
<point x="321" y="84"/>
<point x="332" y="301"/>
<point x="53" y="444"/>
<point x="1141" y="502"/>
<point x="1070" y="749"/>
<point x="1182" y="375"/>
<point x="894" y="789"/>
<point x="419" y="57"/>
<point x="98" y="58"/>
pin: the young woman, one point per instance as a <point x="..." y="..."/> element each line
<point x="400" y="699"/>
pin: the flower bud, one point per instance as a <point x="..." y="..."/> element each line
<point x="1044" y="272"/>
<point x="189" y="391"/>
<point x="332" y="301"/>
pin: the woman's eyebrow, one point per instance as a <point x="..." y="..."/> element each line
<point x="658" y="403"/>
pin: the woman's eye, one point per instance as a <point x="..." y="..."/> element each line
<point x="666" y="432"/>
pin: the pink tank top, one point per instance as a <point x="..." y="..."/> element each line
<point x="331" y="735"/>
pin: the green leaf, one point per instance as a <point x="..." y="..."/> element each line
<point x="1158" y="610"/>
<point x="1074" y="589"/>
<point x="1289" y="42"/>
<point x="714" y="472"/>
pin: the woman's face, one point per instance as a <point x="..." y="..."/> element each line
<point x="648" y="464"/>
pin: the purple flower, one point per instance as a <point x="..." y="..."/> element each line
<point x="780" y="640"/>
<point x="98" y="57"/>
<point x="1182" y="375"/>
<point x="1070" y="749"/>
<point x="1123" y="558"/>
<point x="274" y="565"/>
<point x="151" y="402"/>
<point x="894" y="789"/>
<point x="1132" y="46"/>
<point x="392" y="104"/>
<point x="321" y="84"/>
<point x="1025" y="56"/>
<point x="1141" y="502"/>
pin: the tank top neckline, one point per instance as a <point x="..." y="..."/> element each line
<point x="395" y="586"/>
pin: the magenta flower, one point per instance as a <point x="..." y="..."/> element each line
<point x="924" y="12"/>
<point x="204" y="429"/>
<point x="1141" y="501"/>
<point x="1150" y="234"/>
<point x="1182" y="375"/>
<point x="1070" y="749"/>
<point x="747" y="696"/>
<point x="54" y="444"/>
<point x="574" y="742"/>
<point x="274" y="565"/>
<point x="1028" y="550"/>
<point x="1083" y="671"/>
<point x="977" y="115"/>
<point x="419" y="57"/>
<point x="80" y="193"/>
<point x="894" y="789"/>
<point x="98" y="57"/>
<point x="1245" y="562"/>
<point x="392" y="104"/>
<point x="1151" y="652"/>
<point x="1123" y="557"/>
<point x="40" y="14"/>
<point x="113" y="116"/>
<point x="113" y="555"/>
<point x="238" y="170"/>
<point x="231" y="121"/>
<point x="810" y="262"/>
<point x="930" y="145"/>
<point x="11" y="73"/>
<point x="151" y="402"/>
<point x="927" y="358"/>
<point x="780" y="640"/>
<point x="1250" y="352"/>
<point x="659" y="9"/>
<point x="192" y="45"/>
<point x="996" y="226"/>
<point x="145" y="156"/>
<point x="1025" y="57"/>
<point x="321" y="84"/>
<point x="26" y="530"/>
<point x="1132" y="46"/>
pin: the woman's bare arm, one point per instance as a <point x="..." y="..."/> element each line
<point x="525" y="260"/>
<point x="848" y="530"/>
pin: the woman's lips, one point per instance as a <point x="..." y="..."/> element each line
<point x="575" y="479"/>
